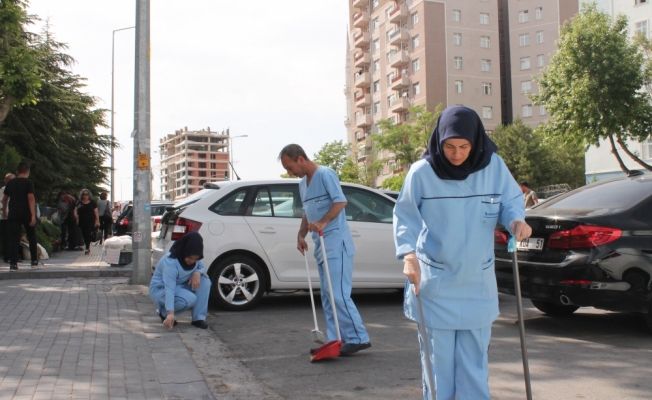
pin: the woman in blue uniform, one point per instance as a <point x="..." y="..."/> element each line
<point x="180" y="283"/>
<point x="444" y="220"/>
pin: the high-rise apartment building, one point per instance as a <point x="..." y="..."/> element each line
<point x="532" y="28"/>
<point x="191" y="158"/>
<point x="414" y="52"/>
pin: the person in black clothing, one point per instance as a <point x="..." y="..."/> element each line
<point x="106" y="219"/>
<point x="3" y="222"/>
<point x="86" y="217"/>
<point x="21" y="211"/>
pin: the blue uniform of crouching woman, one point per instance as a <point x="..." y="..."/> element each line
<point x="444" y="221"/>
<point x="180" y="282"/>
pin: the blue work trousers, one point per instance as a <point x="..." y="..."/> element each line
<point x="460" y="363"/>
<point x="185" y="298"/>
<point x="351" y="328"/>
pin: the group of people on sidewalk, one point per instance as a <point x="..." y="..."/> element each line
<point x="444" y="221"/>
<point x="88" y="216"/>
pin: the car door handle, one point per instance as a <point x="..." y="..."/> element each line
<point x="355" y="234"/>
<point x="267" y="230"/>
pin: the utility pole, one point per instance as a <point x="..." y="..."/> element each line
<point x="142" y="231"/>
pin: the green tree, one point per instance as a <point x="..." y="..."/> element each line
<point x="394" y="182"/>
<point x="531" y="157"/>
<point x="58" y="135"/>
<point x="19" y="77"/>
<point x="592" y="87"/>
<point x="332" y="155"/>
<point x="9" y="159"/>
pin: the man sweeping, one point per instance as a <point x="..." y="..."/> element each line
<point x="323" y="210"/>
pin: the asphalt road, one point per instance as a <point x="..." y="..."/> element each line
<point x="592" y="354"/>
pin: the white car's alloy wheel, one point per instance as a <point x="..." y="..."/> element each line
<point x="238" y="283"/>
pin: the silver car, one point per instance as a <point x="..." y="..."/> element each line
<point x="250" y="238"/>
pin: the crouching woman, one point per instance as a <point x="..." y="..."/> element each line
<point x="180" y="282"/>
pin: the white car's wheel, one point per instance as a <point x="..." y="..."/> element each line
<point x="238" y="283"/>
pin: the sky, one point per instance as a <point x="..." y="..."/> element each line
<point x="271" y="70"/>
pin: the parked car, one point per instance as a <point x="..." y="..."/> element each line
<point x="250" y="238"/>
<point x="591" y="247"/>
<point x="391" y="193"/>
<point x="125" y="222"/>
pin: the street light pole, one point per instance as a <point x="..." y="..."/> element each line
<point x="231" y="153"/>
<point x="112" y="113"/>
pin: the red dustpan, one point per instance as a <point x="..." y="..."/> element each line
<point x="332" y="348"/>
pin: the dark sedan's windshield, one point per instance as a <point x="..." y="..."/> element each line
<point x="613" y="196"/>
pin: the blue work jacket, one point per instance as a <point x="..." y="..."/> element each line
<point x="450" y="224"/>
<point x="169" y="274"/>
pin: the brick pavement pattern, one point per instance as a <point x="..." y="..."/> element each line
<point x="82" y="339"/>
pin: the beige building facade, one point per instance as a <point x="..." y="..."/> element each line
<point x="414" y="52"/>
<point x="191" y="158"/>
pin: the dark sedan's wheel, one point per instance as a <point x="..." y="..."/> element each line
<point x="238" y="283"/>
<point x="554" y="310"/>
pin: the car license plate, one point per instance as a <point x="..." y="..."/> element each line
<point x="530" y="244"/>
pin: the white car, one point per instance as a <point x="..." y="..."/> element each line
<point x="250" y="238"/>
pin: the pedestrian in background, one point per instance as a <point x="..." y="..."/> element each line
<point x="323" y="210"/>
<point x="529" y="195"/>
<point x="444" y="222"/>
<point x="180" y="282"/>
<point x="3" y="222"/>
<point x="86" y="217"/>
<point x="106" y="215"/>
<point x="20" y="211"/>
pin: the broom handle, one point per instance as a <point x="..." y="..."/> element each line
<point x="312" y="301"/>
<point x="330" y="287"/>
<point x="426" y="349"/>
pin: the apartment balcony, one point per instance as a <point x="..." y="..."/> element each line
<point x="360" y="19"/>
<point x="360" y="3"/>
<point x="399" y="58"/>
<point x="363" y="100"/>
<point x="362" y="151"/>
<point x="398" y="14"/>
<point x="361" y="59"/>
<point x="399" y="105"/>
<point x="399" y="82"/>
<point x="363" y="121"/>
<point x="398" y="36"/>
<point x="361" y="39"/>
<point x="363" y="80"/>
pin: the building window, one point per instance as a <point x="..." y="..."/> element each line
<point x="525" y="63"/>
<point x="376" y="45"/>
<point x="377" y="107"/>
<point x="415" y="17"/>
<point x="458" y="86"/>
<point x="527" y="110"/>
<point x="377" y="86"/>
<point x="646" y="149"/>
<point x="523" y="16"/>
<point x="640" y="1"/>
<point x="485" y="65"/>
<point x="415" y="41"/>
<point x="641" y="28"/>
<point x="375" y="23"/>
<point x="415" y="65"/>
<point x="457" y="39"/>
<point x="390" y="76"/>
<point x="484" y="19"/>
<point x="524" y="39"/>
<point x="486" y="88"/>
<point x="376" y="65"/>
<point x="390" y="99"/>
<point x="487" y="113"/>
<point x="540" y="61"/>
<point x="526" y="87"/>
<point x="374" y="4"/>
<point x="416" y="89"/>
<point x="539" y="36"/>
<point x="542" y="110"/>
<point x="458" y="63"/>
<point x="357" y="136"/>
<point x="457" y="15"/>
<point x="538" y="13"/>
<point x="484" y="42"/>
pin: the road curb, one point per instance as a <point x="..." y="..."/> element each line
<point x="68" y="273"/>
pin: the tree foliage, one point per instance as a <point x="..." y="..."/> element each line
<point x="592" y="87"/>
<point x="19" y="77"/>
<point x="394" y="182"/>
<point x="540" y="161"/>
<point x="58" y="135"/>
<point x="332" y="155"/>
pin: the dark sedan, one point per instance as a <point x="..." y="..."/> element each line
<point x="591" y="247"/>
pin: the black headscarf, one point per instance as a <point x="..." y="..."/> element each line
<point x="463" y="123"/>
<point x="191" y="244"/>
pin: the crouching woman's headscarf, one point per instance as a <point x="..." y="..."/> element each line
<point x="191" y="244"/>
<point x="458" y="122"/>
